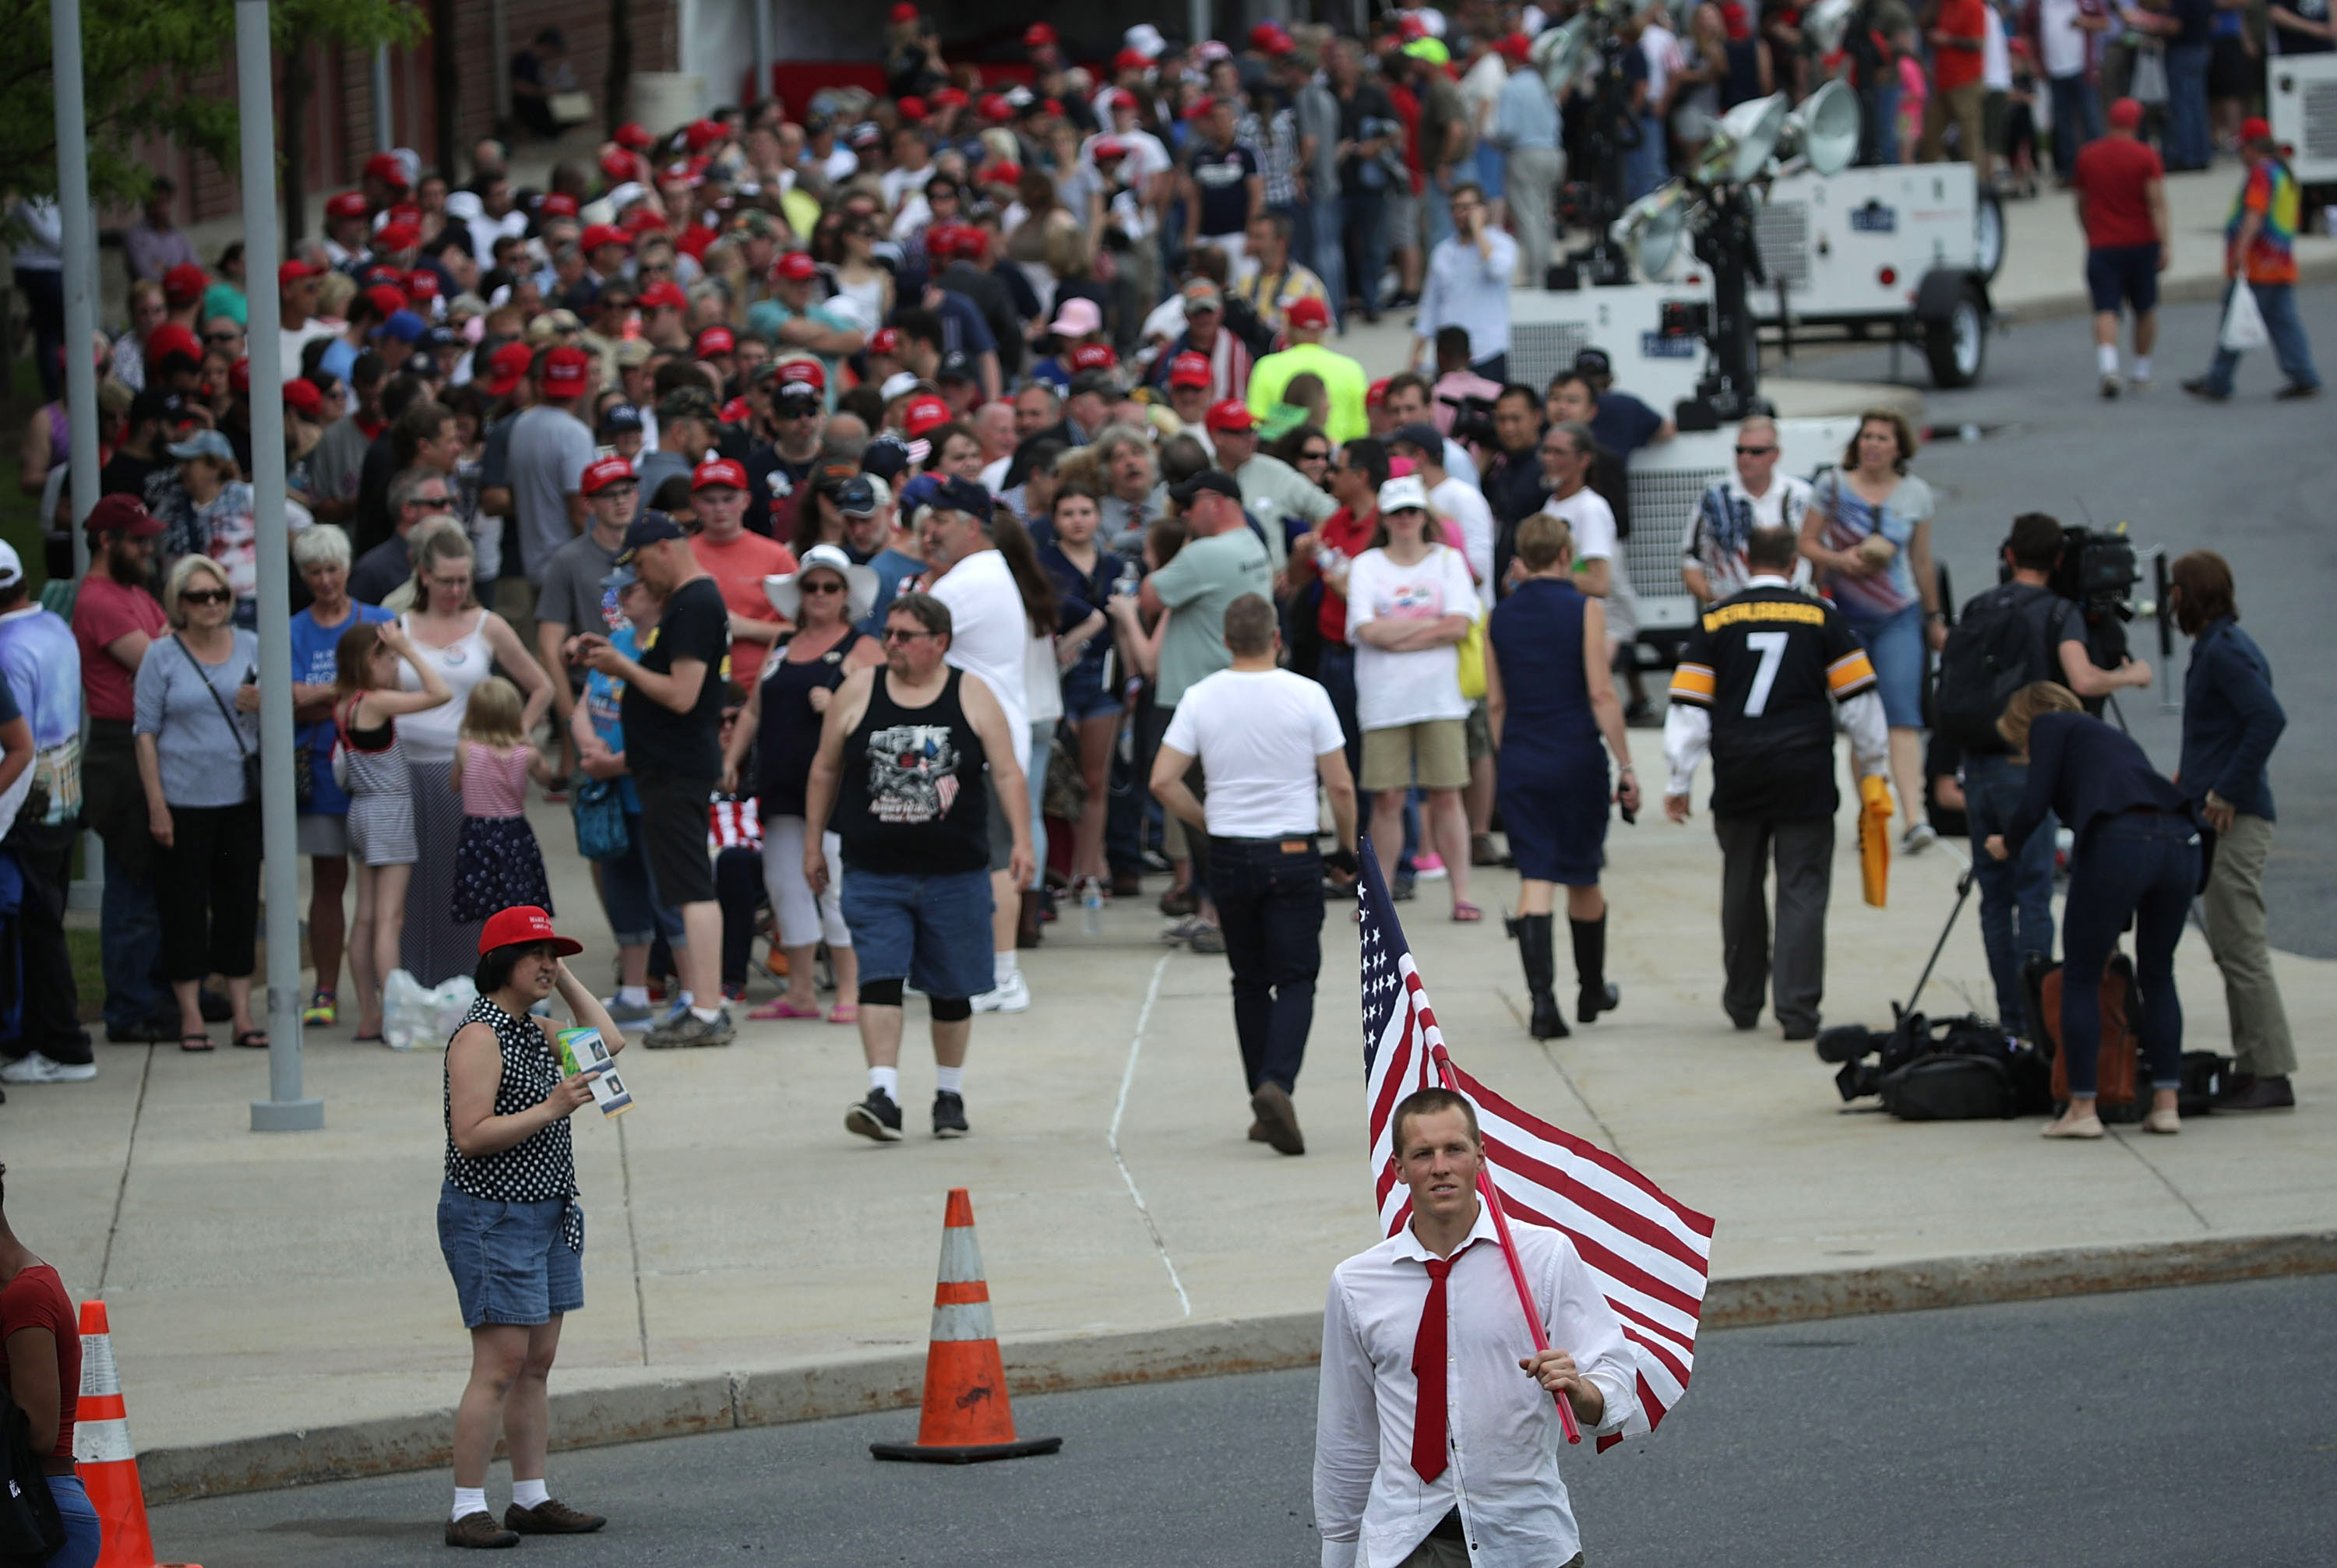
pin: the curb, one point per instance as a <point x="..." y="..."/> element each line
<point x="2186" y="288"/>
<point x="819" y="1389"/>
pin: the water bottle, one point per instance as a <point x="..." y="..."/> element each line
<point x="1092" y="907"/>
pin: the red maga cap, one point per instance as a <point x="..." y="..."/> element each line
<point x="1189" y="370"/>
<point x="346" y="205"/>
<point x="1233" y="414"/>
<point x="716" y="340"/>
<point x="716" y="473"/>
<point x="524" y="924"/>
<point x="564" y="373"/>
<point x="603" y="471"/>
<point x="923" y="414"/>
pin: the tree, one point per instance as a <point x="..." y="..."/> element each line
<point x="141" y="59"/>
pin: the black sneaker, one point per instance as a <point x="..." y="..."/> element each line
<point x="949" y="1115"/>
<point x="2296" y="392"/>
<point x="2197" y="386"/>
<point x="1401" y="890"/>
<point x="878" y="1117"/>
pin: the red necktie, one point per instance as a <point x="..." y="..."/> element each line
<point x="1428" y="1455"/>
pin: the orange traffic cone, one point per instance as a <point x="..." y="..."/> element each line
<point x="103" y="1452"/>
<point x="966" y="1419"/>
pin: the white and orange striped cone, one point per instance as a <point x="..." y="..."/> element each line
<point x="966" y="1419"/>
<point x="103" y="1453"/>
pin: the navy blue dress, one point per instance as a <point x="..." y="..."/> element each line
<point x="1553" y="789"/>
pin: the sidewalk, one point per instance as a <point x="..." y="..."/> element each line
<point x="281" y="1313"/>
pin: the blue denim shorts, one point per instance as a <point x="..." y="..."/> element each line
<point x="1895" y="647"/>
<point x="509" y="1262"/>
<point x="932" y="931"/>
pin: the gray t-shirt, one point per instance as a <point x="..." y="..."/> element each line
<point x="550" y="447"/>
<point x="336" y="461"/>
<point x="201" y="755"/>
<point x="573" y="593"/>
<point x="1207" y="575"/>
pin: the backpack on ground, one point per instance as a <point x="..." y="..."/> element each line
<point x="2118" y="1078"/>
<point x="1963" y="1070"/>
<point x="1990" y="653"/>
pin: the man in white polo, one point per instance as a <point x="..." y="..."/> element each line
<point x="1431" y="1449"/>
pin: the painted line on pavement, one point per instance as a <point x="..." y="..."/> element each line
<point x="1120" y="1109"/>
<point x="128" y="1153"/>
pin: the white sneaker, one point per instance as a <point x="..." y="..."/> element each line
<point x="1917" y="838"/>
<point x="34" y="1068"/>
<point x="1014" y="997"/>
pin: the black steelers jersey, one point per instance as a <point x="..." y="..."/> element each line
<point x="1769" y="664"/>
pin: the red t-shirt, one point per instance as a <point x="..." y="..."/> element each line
<point x="1342" y="531"/>
<point x="104" y="610"/>
<point x="739" y="569"/>
<point x="2113" y="173"/>
<point x="36" y="1299"/>
<point x="1959" y="67"/>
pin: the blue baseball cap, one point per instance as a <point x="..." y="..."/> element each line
<point x="955" y="494"/>
<point x="649" y="528"/>
<point x="403" y="325"/>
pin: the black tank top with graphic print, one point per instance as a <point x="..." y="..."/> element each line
<point x="915" y="800"/>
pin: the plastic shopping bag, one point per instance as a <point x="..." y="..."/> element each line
<point x="413" y="1015"/>
<point x="2244" y="323"/>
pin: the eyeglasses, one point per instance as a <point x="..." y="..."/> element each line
<point x="1754" y="451"/>
<point x="823" y="587"/>
<point x="448" y="583"/>
<point x="206" y="596"/>
<point x="895" y="634"/>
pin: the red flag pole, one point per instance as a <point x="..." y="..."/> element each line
<point x="1509" y="1253"/>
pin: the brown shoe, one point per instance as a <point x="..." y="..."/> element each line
<point x="1279" y="1117"/>
<point x="1257" y="1132"/>
<point x="2261" y="1094"/>
<point x="479" y="1530"/>
<point x="551" y="1517"/>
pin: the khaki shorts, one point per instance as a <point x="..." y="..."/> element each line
<point x="1433" y="754"/>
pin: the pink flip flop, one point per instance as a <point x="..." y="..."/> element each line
<point x="780" y="1007"/>
<point x="845" y="1013"/>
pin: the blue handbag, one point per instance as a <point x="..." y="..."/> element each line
<point x="600" y="832"/>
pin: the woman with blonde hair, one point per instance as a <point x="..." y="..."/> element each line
<point x="196" y="706"/>
<point x="2137" y="858"/>
<point x="1549" y="716"/>
<point x="1868" y="536"/>
<point x="465" y="643"/>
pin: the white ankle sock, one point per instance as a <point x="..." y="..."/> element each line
<point x="530" y="1494"/>
<point x="1003" y="966"/>
<point x="888" y="1079"/>
<point x="950" y="1080"/>
<point x="705" y="1015"/>
<point x="685" y="999"/>
<point x="2105" y="355"/>
<point x="633" y="996"/>
<point x="2142" y="367"/>
<point x="469" y="1500"/>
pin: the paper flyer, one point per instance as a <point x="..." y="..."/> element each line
<point x="581" y="1051"/>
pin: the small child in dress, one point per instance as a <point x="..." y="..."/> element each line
<point x="496" y="862"/>
<point x="372" y="767"/>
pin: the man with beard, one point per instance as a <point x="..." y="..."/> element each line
<point x="114" y="621"/>
<point x="778" y="469"/>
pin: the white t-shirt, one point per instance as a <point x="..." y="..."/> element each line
<point x="1591" y="519"/>
<point x="990" y="636"/>
<point x="898" y="182"/>
<point x="1257" y="733"/>
<point x="2064" y="42"/>
<point x="1396" y="689"/>
<point x="1995" y="55"/>
<point x="1463" y="503"/>
<point x="1661" y="46"/>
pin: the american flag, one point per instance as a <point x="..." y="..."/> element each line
<point x="1650" y="1255"/>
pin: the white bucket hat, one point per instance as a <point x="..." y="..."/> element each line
<point x="785" y="593"/>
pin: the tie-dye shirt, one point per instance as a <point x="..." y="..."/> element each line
<point x="2271" y="192"/>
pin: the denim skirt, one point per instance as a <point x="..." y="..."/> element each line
<point x="508" y="1260"/>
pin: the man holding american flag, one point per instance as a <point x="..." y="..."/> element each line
<point x="1529" y="1282"/>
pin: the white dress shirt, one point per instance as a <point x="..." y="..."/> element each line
<point x="1371" y="1508"/>
<point x="1470" y="288"/>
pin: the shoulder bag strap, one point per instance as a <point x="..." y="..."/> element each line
<point x="233" y="727"/>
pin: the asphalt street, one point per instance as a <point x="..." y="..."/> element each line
<point x="2247" y="478"/>
<point x="2125" y="1431"/>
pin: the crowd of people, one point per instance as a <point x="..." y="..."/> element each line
<point x="894" y="523"/>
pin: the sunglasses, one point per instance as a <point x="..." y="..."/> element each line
<point x="895" y="634"/>
<point x="1315" y="457"/>
<point x="823" y="588"/>
<point x="222" y="337"/>
<point x="1754" y="451"/>
<point x="434" y="502"/>
<point x="206" y="596"/>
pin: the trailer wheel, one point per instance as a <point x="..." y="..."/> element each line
<point x="1956" y="344"/>
<point x="1988" y="236"/>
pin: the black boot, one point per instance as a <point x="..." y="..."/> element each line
<point x="1596" y="995"/>
<point x="1535" y="955"/>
